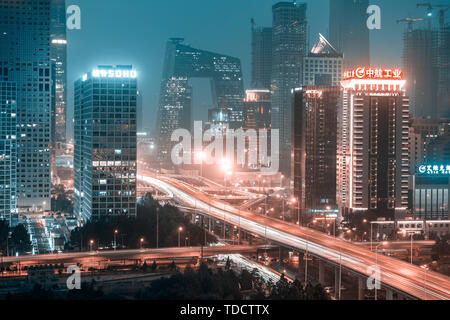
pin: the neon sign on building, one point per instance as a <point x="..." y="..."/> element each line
<point x="437" y="169"/>
<point x="373" y="73"/>
<point x="114" y="73"/>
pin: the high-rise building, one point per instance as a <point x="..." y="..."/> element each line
<point x="105" y="143"/>
<point x="25" y="59"/>
<point x="289" y="34"/>
<point x="8" y="149"/>
<point x="348" y="31"/>
<point x="323" y="66"/>
<point x="58" y="52"/>
<point x="261" y="57"/>
<point x="444" y="73"/>
<point x="314" y="148"/>
<point x="438" y="149"/>
<point x="420" y="54"/>
<point x="372" y="150"/>
<point x="257" y="109"/>
<point x="58" y="56"/>
<point x="140" y="114"/>
<point x="183" y="62"/>
<point x="421" y="133"/>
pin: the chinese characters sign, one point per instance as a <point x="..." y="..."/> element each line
<point x="374" y="73"/>
<point x="434" y="169"/>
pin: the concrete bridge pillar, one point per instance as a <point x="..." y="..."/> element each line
<point x="321" y="272"/>
<point x="361" y="287"/>
<point x="336" y="282"/>
<point x="389" y="294"/>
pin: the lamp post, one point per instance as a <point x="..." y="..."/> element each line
<point x="201" y="158"/>
<point x="411" y="249"/>
<point x="157" y="227"/>
<point x="115" y="240"/>
<point x="141" y="241"/>
<point x="179" y="235"/>
<point x="91" y="242"/>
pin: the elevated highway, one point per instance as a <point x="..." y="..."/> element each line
<point x="395" y="275"/>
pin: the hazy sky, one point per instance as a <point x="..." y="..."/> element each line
<point x="135" y="32"/>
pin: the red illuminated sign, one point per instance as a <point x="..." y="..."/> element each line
<point x="374" y="73"/>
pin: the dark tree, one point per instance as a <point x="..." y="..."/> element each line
<point x="20" y="239"/>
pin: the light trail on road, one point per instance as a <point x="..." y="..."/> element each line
<point x="396" y="274"/>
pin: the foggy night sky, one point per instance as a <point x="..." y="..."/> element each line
<point x="135" y="32"/>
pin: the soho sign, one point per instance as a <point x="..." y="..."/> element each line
<point x="114" y="73"/>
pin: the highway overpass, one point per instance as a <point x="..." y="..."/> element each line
<point x="120" y="255"/>
<point x="395" y="275"/>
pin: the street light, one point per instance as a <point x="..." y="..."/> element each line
<point x="115" y="241"/>
<point x="201" y="157"/>
<point x="295" y="200"/>
<point x="141" y="241"/>
<point x="226" y="168"/>
<point x="412" y="235"/>
<point x="91" y="242"/>
<point x="179" y="234"/>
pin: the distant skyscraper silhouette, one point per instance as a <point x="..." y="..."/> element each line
<point x="289" y="33"/>
<point x="58" y="56"/>
<point x="420" y="64"/>
<point x="183" y="62"/>
<point x="261" y="57"/>
<point x="348" y="31"/>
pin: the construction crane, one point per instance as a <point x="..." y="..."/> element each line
<point x="442" y="11"/>
<point x="410" y="22"/>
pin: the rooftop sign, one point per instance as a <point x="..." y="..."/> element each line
<point x="114" y="73"/>
<point x="373" y="73"/>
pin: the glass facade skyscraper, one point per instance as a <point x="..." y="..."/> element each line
<point x="8" y="149"/>
<point x="289" y="33"/>
<point x="348" y="31"/>
<point x="105" y="143"/>
<point x="25" y="60"/>
<point x="183" y="62"/>
<point x="58" y="56"/>
<point x="261" y="57"/>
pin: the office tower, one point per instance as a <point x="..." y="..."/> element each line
<point x="372" y="150"/>
<point x="257" y="107"/>
<point x="289" y="35"/>
<point x="314" y="148"/>
<point x="25" y="60"/>
<point x="105" y="143"/>
<point x="348" y="31"/>
<point x="174" y="113"/>
<point x="420" y="52"/>
<point x="8" y="148"/>
<point x="444" y="73"/>
<point x="421" y="133"/>
<point x="58" y="52"/>
<point x="183" y="62"/>
<point x="261" y="57"/>
<point x="438" y="149"/>
<point x="140" y="113"/>
<point x="323" y="66"/>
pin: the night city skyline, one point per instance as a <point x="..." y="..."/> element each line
<point x="231" y="34"/>
<point x="225" y="159"/>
